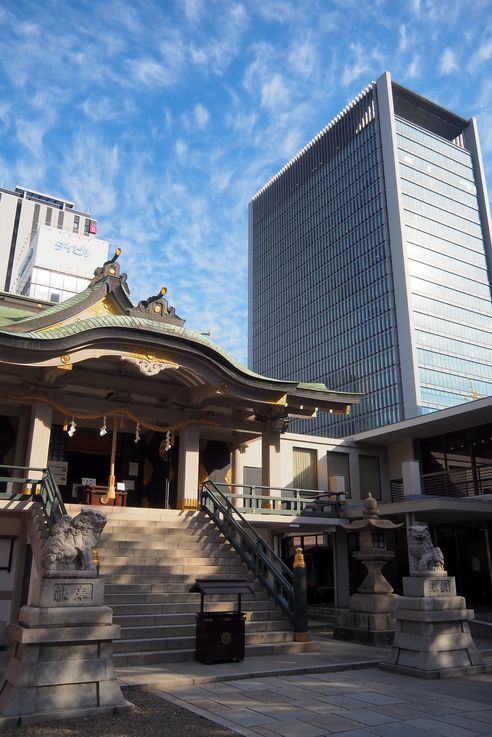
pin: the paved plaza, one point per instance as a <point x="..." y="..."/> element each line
<point x="338" y="691"/>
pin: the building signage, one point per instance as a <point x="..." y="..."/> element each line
<point x="68" y="253"/>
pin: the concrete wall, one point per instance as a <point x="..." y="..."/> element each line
<point x="250" y="455"/>
<point x="12" y="532"/>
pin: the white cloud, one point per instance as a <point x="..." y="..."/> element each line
<point x="404" y="40"/>
<point x="100" y="108"/>
<point x="221" y="179"/>
<point x="448" y="63"/>
<point x="481" y="55"/>
<point x="303" y="58"/>
<point x="358" y="66"/>
<point x="274" y="93"/>
<point x="150" y="72"/>
<point x="90" y="172"/>
<point x="193" y="9"/>
<point x="5" y="113"/>
<point x="413" y="69"/>
<point x="181" y="148"/>
<point x="201" y="116"/>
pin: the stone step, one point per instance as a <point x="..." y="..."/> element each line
<point x="139" y="516"/>
<point x="171" y="631"/>
<point x="199" y="523"/>
<point x="160" y="531"/>
<point x="233" y="570"/>
<point x="135" y="550"/>
<point x="149" y="561"/>
<point x="174" y="656"/>
<point x="179" y="619"/>
<point x="183" y="607"/>
<point x="178" y="587"/>
<point x="126" y="579"/>
<point x="183" y="598"/>
<point x="188" y="641"/>
<point x="172" y="548"/>
<point x="164" y="534"/>
<point x="163" y="562"/>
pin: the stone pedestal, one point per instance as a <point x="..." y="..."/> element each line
<point x="62" y="665"/>
<point x="432" y="637"/>
<point x="370" y="620"/>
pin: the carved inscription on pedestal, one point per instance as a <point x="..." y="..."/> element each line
<point x="73" y="592"/>
<point x="437" y="587"/>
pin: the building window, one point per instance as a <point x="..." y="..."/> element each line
<point x="87" y="225"/>
<point x="370" y="477"/>
<point x="35" y="220"/>
<point x="76" y="223"/>
<point x="305" y="468"/>
<point x="55" y="297"/>
<point x="338" y="472"/>
<point x="49" y="214"/>
<point x="60" y="220"/>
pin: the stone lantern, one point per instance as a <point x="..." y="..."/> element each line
<point x="370" y="617"/>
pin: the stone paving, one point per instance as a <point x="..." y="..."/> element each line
<point x="338" y="691"/>
<point x="354" y="703"/>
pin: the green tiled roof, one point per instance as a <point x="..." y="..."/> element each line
<point x="140" y="323"/>
<point x="11" y="315"/>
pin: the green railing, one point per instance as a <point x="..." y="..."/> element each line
<point x="250" y="499"/>
<point x="24" y="483"/>
<point x="271" y="571"/>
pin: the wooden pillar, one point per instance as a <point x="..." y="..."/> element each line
<point x="270" y="463"/>
<point x="236" y="467"/>
<point x="39" y="435"/>
<point x="189" y="458"/>
<point x="270" y="458"/>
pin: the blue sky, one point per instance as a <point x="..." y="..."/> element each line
<point x="163" y="117"/>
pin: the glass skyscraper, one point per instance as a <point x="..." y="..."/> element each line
<point x="370" y="262"/>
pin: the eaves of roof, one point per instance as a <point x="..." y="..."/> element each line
<point x="142" y="325"/>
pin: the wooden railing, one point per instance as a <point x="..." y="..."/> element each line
<point x="250" y="499"/>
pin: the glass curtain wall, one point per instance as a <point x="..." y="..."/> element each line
<point x="450" y="294"/>
<point x="322" y="298"/>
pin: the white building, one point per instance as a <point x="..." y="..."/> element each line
<point x="59" y="264"/>
<point x="31" y="224"/>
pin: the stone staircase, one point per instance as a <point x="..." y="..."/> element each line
<point x="149" y="559"/>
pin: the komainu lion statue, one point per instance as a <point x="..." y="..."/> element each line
<point x="424" y="557"/>
<point x="69" y="546"/>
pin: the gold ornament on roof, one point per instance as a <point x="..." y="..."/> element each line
<point x="150" y="364"/>
<point x="104" y="307"/>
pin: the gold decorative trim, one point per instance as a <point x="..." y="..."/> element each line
<point x="65" y="358"/>
<point x="104" y="307"/>
<point x="187" y="504"/>
<point x="150" y="364"/>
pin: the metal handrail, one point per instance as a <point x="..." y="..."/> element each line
<point x="35" y="484"/>
<point x="270" y="570"/>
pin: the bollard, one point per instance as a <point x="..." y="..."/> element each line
<point x="301" y="633"/>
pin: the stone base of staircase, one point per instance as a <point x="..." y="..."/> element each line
<point x="149" y="559"/>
